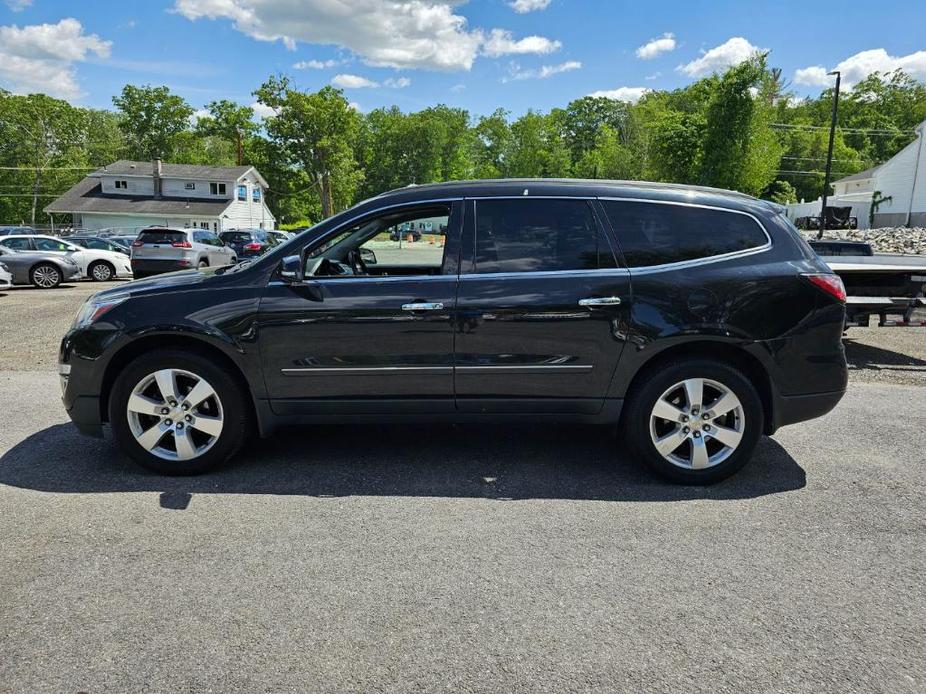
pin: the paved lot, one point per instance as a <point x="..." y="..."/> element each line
<point x="461" y="558"/>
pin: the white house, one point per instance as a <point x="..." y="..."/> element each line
<point x="900" y="182"/>
<point x="130" y="195"/>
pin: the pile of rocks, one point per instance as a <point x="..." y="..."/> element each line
<point x="885" y="239"/>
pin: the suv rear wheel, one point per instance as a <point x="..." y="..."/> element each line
<point x="177" y="413"/>
<point x="694" y="421"/>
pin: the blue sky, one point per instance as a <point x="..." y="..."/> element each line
<point x="480" y="54"/>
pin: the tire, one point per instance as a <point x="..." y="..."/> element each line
<point x="201" y="264"/>
<point x="690" y="438"/>
<point x="45" y="276"/>
<point x="101" y="271"/>
<point x="227" y="412"/>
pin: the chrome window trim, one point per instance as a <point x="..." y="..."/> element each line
<point x="682" y="264"/>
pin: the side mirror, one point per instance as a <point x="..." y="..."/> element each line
<point x="291" y="269"/>
<point x="368" y="256"/>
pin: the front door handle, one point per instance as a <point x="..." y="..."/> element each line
<point x="600" y="301"/>
<point x="423" y="306"/>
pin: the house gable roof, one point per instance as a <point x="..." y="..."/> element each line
<point x="861" y="175"/>
<point x="125" y="167"/>
<point x="88" y="196"/>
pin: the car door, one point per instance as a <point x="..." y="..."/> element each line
<point x="542" y="307"/>
<point x="368" y="343"/>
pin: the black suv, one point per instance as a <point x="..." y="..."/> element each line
<point x="697" y="319"/>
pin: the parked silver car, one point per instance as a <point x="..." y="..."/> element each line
<point x="42" y="270"/>
<point x="167" y="249"/>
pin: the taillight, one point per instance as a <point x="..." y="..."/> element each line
<point x="831" y="284"/>
<point x="137" y="244"/>
<point x="181" y="244"/>
<point x="252" y="246"/>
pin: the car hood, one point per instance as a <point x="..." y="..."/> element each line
<point x="168" y="282"/>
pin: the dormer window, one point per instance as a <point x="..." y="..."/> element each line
<point x="122" y="185"/>
<point x="217" y="189"/>
<point x="189" y="185"/>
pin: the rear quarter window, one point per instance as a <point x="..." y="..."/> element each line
<point x="161" y="236"/>
<point x="657" y="234"/>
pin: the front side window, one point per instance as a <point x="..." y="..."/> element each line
<point x="539" y="236"/>
<point x="658" y="233"/>
<point x="51" y="245"/>
<point x="388" y="243"/>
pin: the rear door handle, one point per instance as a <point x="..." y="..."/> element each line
<point x="600" y="301"/>
<point x="424" y="306"/>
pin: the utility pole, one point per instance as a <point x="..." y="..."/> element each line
<point x="829" y="154"/>
<point x="238" y="142"/>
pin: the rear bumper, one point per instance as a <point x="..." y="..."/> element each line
<point x="791" y="409"/>
<point x="156" y="267"/>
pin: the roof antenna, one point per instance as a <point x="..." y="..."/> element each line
<point x="525" y="192"/>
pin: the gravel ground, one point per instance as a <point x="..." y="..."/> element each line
<point x="32" y="322"/>
<point x="464" y="559"/>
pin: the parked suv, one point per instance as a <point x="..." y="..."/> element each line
<point x="165" y="249"/>
<point x="248" y="243"/>
<point x="696" y="319"/>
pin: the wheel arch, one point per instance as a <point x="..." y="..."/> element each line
<point x="723" y="352"/>
<point x="189" y="343"/>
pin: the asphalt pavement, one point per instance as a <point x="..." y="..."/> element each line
<point x="423" y="558"/>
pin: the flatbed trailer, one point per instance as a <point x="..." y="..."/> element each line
<point x="880" y="285"/>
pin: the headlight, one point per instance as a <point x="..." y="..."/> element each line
<point x="92" y="310"/>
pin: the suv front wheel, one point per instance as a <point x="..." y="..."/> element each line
<point x="694" y="421"/>
<point x="177" y="413"/>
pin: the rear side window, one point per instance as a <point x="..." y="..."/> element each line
<point x="161" y="236"/>
<point x="539" y="236"/>
<point x="656" y="234"/>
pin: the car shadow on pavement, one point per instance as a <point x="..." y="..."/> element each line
<point x="493" y="462"/>
<point x="862" y="356"/>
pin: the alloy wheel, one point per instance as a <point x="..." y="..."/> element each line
<point x="45" y="276"/>
<point x="102" y="272"/>
<point x="175" y="414"/>
<point x="697" y="423"/>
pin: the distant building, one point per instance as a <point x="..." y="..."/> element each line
<point x="130" y="195"/>
<point x="901" y="182"/>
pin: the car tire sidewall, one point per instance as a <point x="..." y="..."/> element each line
<point x="101" y="264"/>
<point x="657" y="381"/>
<point x="201" y="264"/>
<point x="235" y="407"/>
<point x="48" y="265"/>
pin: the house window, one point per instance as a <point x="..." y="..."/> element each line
<point x="255" y="194"/>
<point x="242" y="193"/>
<point x="217" y="189"/>
<point x="189" y="185"/>
<point x="122" y="185"/>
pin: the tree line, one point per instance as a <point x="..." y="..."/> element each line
<point x="741" y="130"/>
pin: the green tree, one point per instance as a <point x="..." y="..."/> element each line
<point x="317" y="132"/>
<point x="491" y="144"/>
<point x="230" y="122"/>
<point x="153" y="121"/>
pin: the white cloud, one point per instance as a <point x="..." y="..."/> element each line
<point x="315" y="64"/>
<point x="732" y="52"/>
<point x="654" y="76"/>
<point x="516" y="73"/>
<point x="354" y="105"/>
<point x="200" y="113"/>
<point x="397" y="82"/>
<point x="262" y="110"/>
<point x="457" y="88"/>
<point x="631" y="94"/>
<point x="656" y="47"/>
<point x="384" y="33"/>
<point x="18" y="5"/>
<point x="857" y="67"/>
<point x="814" y="76"/>
<point x="501" y="42"/>
<point x="344" y="81"/>
<point x="524" y="6"/>
<point x="41" y="57"/>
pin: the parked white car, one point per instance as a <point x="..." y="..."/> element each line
<point x="6" y="277"/>
<point x="96" y="264"/>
